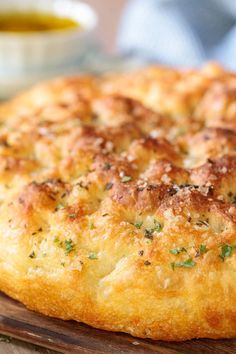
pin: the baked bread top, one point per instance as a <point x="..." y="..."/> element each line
<point x="118" y="201"/>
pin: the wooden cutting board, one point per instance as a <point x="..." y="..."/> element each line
<point x="72" y="337"/>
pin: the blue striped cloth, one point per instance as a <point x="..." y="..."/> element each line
<point x="180" y="32"/>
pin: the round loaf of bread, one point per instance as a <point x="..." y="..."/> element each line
<point x="117" y="201"/>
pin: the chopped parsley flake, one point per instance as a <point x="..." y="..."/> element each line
<point x="69" y="246"/>
<point x="189" y="263"/>
<point x="126" y="179"/>
<point x="148" y="233"/>
<point x="202" y="249"/>
<point x="226" y="251"/>
<point x="138" y="224"/>
<point x="58" y="242"/>
<point x="93" y="255"/>
<point x="174" y="251"/>
<point x="148" y="241"/>
<point x="60" y="206"/>
<point x="177" y="250"/>
<point x="91" y="226"/>
<point x="157" y="226"/>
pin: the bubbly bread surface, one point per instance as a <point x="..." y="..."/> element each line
<point x="117" y="201"/>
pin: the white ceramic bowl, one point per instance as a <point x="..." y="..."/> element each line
<point x="28" y="57"/>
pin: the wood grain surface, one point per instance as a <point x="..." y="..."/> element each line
<point x="14" y="346"/>
<point x="71" y="337"/>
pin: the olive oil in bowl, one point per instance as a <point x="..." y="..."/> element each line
<point x="30" y="22"/>
<point x="42" y="39"/>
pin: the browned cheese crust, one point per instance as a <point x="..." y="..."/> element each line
<point x="117" y="201"/>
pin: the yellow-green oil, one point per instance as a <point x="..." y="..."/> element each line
<point x="28" y="22"/>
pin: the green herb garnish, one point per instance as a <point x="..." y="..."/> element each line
<point x="174" y="251"/>
<point x="148" y="242"/>
<point x="91" y="226"/>
<point x="189" y="263"/>
<point x="148" y="233"/>
<point x="60" y="206"/>
<point x="157" y="226"/>
<point x="58" y="242"/>
<point x="202" y="249"/>
<point x="138" y="224"/>
<point x="93" y="255"/>
<point x="126" y="179"/>
<point x="178" y="250"/>
<point x="226" y="251"/>
<point x="69" y="245"/>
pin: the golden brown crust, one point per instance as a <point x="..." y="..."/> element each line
<point x="117" y="204"/>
